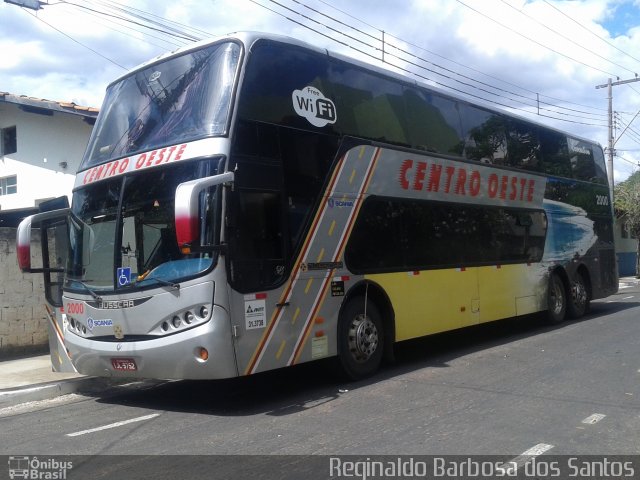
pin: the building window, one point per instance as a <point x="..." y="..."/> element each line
<point x="8" y="141"/>
<point x="8" y="185"/>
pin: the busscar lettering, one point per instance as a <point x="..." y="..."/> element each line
<point x="116" y="304"/>
<point x="463" y="181"/>
<point x="144" y="160"/>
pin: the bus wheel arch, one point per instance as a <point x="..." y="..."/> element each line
<point x="579" y="293"/>
<point x="358" y="332"/>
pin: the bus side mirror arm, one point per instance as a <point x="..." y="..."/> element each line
<point x="23" y="239"/>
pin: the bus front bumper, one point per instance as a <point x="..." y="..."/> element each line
<point x="177" y="356"/>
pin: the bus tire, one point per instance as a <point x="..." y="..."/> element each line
<point x="579" y="298"/>
<point x="360" y="339"/>
<point x="556" y="300"/>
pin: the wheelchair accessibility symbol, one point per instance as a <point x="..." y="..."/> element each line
<point x="124" y="276"/>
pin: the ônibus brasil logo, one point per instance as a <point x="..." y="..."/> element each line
<point x="311" y="104"/>
<point x="35" y="468"/>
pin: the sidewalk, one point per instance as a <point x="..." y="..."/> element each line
<point x="29" y="371"/>
<point x="626" y="282"/>
<point x="29" y="379"/>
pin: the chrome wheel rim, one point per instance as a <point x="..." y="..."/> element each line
<point x="579" y="294"/>
<point x="556" y="298"/>
<point x="363" y="338"/>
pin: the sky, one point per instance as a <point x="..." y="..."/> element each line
<point x="541" y="59"/>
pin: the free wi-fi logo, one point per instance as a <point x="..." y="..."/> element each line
<point x="311" y="104"/>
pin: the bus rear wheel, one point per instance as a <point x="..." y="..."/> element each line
<point x="579" y="298"/>
<point x="556" y="300"/>
<point x="360" y="339"/>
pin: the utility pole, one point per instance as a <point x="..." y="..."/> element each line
<point x="611" y="141"/>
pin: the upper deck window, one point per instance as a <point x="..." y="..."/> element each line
<point x="180" y="99"/>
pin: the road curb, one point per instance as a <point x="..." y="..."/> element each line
<point x="629" y="282"/>
<point x="45" y="391"/>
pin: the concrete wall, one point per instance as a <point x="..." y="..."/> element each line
<point x="23" y="318"/>
<point x="626" y="251"/>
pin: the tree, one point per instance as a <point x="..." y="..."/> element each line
<point x="627" y="205"/>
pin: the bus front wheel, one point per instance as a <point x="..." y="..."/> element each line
<point x="360" y="339"/>
<point x="556" y="300"/>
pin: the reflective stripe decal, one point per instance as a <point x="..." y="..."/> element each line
<point x="335" y="220"/>
<point x="277" y="314"/>
<point x="337" y="256"/>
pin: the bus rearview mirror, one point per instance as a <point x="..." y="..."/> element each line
<point x="187" y="209"/>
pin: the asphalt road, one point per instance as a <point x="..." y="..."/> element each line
<point x="500" y="389"/>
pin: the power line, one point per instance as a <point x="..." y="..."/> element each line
<point x="107" y="24"/>
<point x="634" y="134"/>
<point x="462" y="65"/>
<point x="635" y="164"/>
<point x="443" y="85"/>
<point x="413" y="63"/>
<point x="174" y="30"/>
<point x="567" y="38"/>
<point x="175" y="33"/>
<point x="535" y="102"/>
<point x="591" y="32"/>
<point x="535" y="41"/>
<point x="554" y="111"/>
<point x="76" y="41"/>
<point x="199" y="33"/>
<point x="628" y="127"/>
<point x="532" y="102"/>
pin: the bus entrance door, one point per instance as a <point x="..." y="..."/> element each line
<point x="50" y="261"/>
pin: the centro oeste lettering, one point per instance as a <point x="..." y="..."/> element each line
<point x="463" y="181"/>
<point x="144" y="160"/>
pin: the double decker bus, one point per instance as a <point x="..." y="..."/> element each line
<point x="253" y="202"/>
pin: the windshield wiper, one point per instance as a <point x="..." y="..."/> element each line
<point x="165" y="283"/>
<point x="95" y="296"/>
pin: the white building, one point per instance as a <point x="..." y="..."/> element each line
<point x="41" y="146"/>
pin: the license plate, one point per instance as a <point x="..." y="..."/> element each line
<point x="124" y="364"/>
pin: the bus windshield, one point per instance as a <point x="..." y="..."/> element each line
<point x="122" y="230"/>
<point x="180" y="99"/>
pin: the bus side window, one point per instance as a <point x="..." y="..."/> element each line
<point x="484" y="135"/>
<point x="600" y="168"/>
<point x="371" y="106"/>
<point x="555" y="153"/>
<point x="257" y="252"/>
<point x="583" y="165"/>
<point x="306" y="158"/>
<point x="523" y="146"/>
<point x="433" y="122"/>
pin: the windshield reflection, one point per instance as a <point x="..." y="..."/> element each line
<point x="180" y="99"/>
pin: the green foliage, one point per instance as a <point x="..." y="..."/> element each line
<point x="627" y="202"/>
